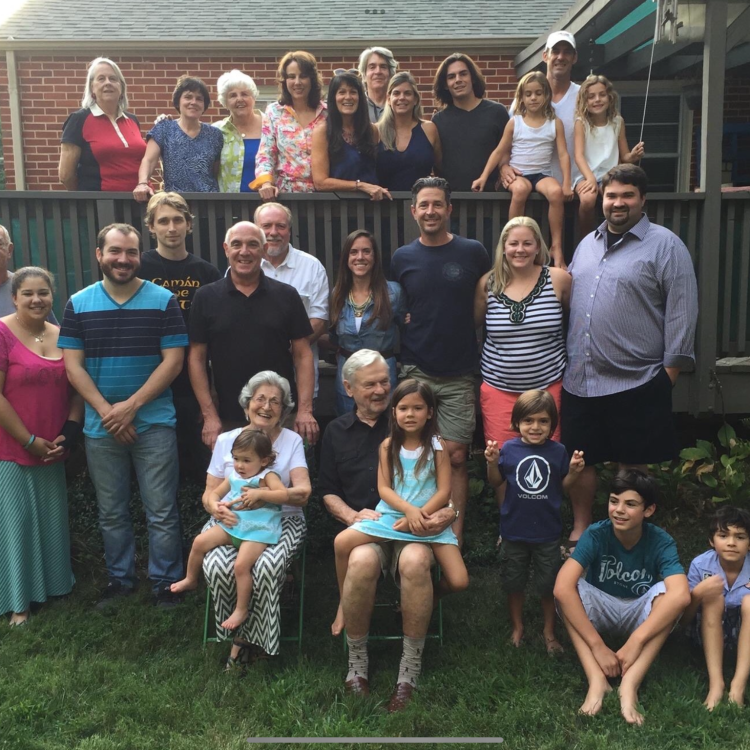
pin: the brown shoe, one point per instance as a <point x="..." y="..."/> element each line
<point x="357" y="686"/>
<point x="400" y="698"/>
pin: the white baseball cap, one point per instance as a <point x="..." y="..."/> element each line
<point x="560" y="36"/>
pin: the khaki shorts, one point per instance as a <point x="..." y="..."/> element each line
<point x="456" y="414"/>
<point x="389" y="553"/>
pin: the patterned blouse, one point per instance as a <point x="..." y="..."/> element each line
<point x="285" y="152"/>
<point x="188" y="163"/>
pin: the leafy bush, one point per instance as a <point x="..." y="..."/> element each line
<point x="723" y="473"/>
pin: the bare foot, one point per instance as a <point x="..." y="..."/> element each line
<point x="628" y="703"/>
<point x="235" y="619"/>
<point x="338" y="624"/>
<point x="516" y="637"/>
<point x="19" y="618"/>
<point x="594" y="698"/>
<point x="736" y="696"/>
<point x="552" y="645"/>
<point x="186" y="584"/>
<point x="715" y="694"/>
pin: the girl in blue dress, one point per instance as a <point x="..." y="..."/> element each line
<point x="414" y="481"/>
<point x="255" y="528"/>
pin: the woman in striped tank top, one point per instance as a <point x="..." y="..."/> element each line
<point x="521" y="303"/>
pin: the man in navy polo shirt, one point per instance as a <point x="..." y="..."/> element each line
<point x="246" y="323"/>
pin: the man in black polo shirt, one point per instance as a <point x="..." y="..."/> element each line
<point x="246" y="323"/>
<point x="348" y="483"/>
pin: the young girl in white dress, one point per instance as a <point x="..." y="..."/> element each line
<point x="600" y="144"/>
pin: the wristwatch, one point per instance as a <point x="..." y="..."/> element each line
<point x="454" y="509"/>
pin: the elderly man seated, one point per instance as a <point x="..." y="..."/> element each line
<point x="348" y="484"/>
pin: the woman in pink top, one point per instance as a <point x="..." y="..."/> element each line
<point x="284" y="160"/>
<point x="39" y="418"/>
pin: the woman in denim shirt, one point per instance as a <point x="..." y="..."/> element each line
<point x="366" y="310"/>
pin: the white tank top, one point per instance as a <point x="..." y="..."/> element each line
<point x="601" y="149"/>
<point x="565" y="110"/>
<point x="532" y="148"/>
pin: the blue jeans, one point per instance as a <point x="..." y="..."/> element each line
<point x="154" y="457"/>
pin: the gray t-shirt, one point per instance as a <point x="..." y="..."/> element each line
<point x="6" y="301"/>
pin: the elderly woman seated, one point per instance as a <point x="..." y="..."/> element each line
<point x="266" y="401"/>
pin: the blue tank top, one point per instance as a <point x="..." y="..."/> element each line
<point x="399" y="170"/>
<point x="354" y="166"/>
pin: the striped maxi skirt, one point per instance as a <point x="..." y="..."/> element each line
<point x="34" y="535"/>
<point x="263" y="626"/>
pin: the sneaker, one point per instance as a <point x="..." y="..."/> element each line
<point x="165" y="598"/>
<point x="112" y="594"/>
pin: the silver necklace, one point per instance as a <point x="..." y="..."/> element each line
<point x="38" y="337"/>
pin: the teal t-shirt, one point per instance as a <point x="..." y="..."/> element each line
<point x="626" y="574"/>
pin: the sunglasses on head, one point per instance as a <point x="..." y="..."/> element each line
<point x="342" y="71"/>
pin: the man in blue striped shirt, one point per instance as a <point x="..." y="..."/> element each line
<point x="124" y="341"/>
<point x="633" y="312"/>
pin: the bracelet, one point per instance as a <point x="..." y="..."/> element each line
<point x="357" y="183"/>
<point x="142" y="183"/>
<point x="31" y="440"/>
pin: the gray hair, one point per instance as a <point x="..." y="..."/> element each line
<point x="235" y="79"/>
<point x="4" y="236"/>
<point x="88" y="97"/>
<point x="268" y="377"/>
<point x="358" y="360"/>
<point x="263" y="206"/>
<point x="229" y="231"/>
<point x="384" y="52"/>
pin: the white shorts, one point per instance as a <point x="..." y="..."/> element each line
<point x="610" y="614"/>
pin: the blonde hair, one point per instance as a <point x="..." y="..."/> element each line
<point x="387" y="123"/>
<point x="582" y="112"/>
<point x="535" y="76"/>
<point x="501" y="272"/>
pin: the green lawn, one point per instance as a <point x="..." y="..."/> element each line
<point x="139" y="678"/>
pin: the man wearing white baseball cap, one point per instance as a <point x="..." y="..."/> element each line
<point x="560" y="55"/>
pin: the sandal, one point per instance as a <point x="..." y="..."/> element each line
<point x="243" y="658"/>
<point x="553" y="646"/>
<point x="566" y="549"/>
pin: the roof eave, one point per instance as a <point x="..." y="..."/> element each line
<point x="509" y="45"/>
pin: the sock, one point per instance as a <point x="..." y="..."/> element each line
<point x="359" y="659"/>
<point x="411" y="660"/>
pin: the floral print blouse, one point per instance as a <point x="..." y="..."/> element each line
<point x="285" y="152"/>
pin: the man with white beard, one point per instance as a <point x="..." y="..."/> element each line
<point x="300" y="270"/>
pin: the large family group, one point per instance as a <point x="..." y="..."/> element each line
<point x="165" y="357"/>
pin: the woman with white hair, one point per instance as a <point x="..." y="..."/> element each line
<point x="266" y="400"/>
<point x="102" y="146"/>
<point x="242" y="129"/>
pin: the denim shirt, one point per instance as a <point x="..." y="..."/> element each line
<point x="369" y="336"/>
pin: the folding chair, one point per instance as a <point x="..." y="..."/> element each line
<point x="298" y="569"/>
<point x="435" y="634"/>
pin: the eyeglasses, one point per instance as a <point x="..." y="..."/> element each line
<point x="274" y="403"/>
<point x="342" y="71"/>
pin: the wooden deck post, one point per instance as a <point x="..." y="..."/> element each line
<point x="702" y="397"/>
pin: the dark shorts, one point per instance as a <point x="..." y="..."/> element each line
<point x="517" y="557"/>
<point x="536" y="178"/>
<point x="632" y="427"/>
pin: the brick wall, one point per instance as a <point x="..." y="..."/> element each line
<point x="51" y="88"/>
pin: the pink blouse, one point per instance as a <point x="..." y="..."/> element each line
<point x="37" y="389"/>
<point x="285" y="151"/>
